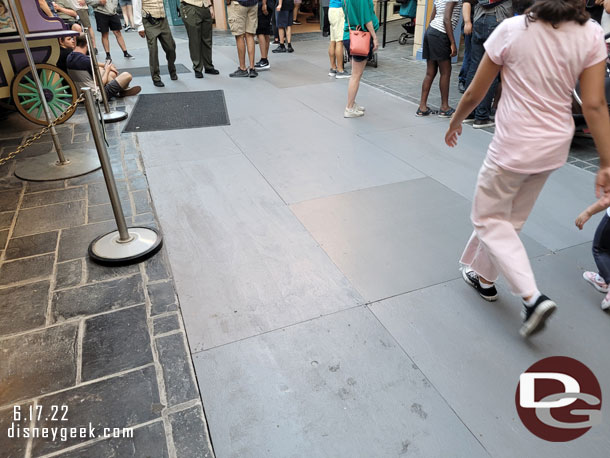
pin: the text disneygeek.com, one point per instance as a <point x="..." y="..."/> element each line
<point x="57" y="414"/>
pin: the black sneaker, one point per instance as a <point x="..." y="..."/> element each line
<point x="280" y="48"/>
<point x="198" y="74"/>
<point x="262" y="65"/>
<point x="173" y="76"/>
<point x="470" y="277"/>
<point x="159" y="83"/>
<point x="480" y="123"/>
<point x="289" y="48"/>
<point x="127" y="55"/>
<point x="239" y="73"/>
<point x="253" y="73"/>
<point x="536" y="315"/>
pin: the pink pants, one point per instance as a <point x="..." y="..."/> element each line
<point x="502" y="202"/>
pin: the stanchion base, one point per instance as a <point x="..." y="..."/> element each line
<point x="114" y="116"/>
<point x="108" y="250"/>
<point x="46" y="168"/>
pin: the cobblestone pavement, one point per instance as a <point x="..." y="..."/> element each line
<point x="106" y="343"/>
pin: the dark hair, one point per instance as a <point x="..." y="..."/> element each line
<point x="557" y="11"/>
<point x="81" y="40"/>
<point x="519" y="6"/>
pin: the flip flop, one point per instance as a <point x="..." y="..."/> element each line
<point x="428" y="112"/>
<point x="446" y="114"/>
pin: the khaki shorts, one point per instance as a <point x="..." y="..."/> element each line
<point x="242" y="19"/>
<point x="83" y="16"/>
<point x="337" y="23"/>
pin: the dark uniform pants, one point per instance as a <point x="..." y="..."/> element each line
<point x="159" y="29"/>
<point x="198" y="24"/>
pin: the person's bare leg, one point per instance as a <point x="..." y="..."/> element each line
<point x="339" y="55"/>
<point x="106" y="42"/>
<point x="444" y="81"/>
<point x="263" y="45"/>
<point x="77" y="28"/>
<point x="251" y="48"/>
<point x="331" y="55"/>
<point x="282" y="32"/>
<point x="289" y="34"/>
<point x="119" y="39"/>
<point x="128" y="10"/>
<point x="241" y="51"/>
<point x="431" y="69"/>
<point x="296" y="9"/>
<point x="92" y="37"/>
<point x="124" y="79"/>
<point x="354" y="82"/>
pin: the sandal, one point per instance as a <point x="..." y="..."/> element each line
<point x="447" y="113"/>
<point x="428" y="112"/>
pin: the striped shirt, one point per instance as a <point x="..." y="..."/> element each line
<point x="438" y="21"/>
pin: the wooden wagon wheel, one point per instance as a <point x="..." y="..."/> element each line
<point x="58" y="88"/>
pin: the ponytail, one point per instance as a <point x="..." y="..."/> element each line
<point x="556" y="11"/>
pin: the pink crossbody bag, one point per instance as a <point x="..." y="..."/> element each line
<point x="359" y="40"/>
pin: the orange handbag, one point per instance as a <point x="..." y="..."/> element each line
<point x="359" y="40"/>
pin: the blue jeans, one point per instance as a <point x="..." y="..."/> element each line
<point x="481" y="31"/>
<point x="466" y="62"/>
<point x="601" y="248"/>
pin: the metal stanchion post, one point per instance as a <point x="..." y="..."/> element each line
<point x="108" y="115"/>
<point x="125" y="245"/>
<point x="46" y="167"/>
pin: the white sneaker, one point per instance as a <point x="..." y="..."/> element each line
<point x="343" y="74"/>
<point x="359" y="107"/>
<point x="352" y="112"/>
<point x="606" y="302"/>
<point x="594" y="279"/>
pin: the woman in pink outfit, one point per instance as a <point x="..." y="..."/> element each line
<point x="541" y="55"/>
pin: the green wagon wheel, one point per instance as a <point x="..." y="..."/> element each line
<point x="58" y="89"/>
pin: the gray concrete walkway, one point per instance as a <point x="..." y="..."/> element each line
<point x="315" y="259"/>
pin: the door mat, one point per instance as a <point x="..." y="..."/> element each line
<point x="178" y="110"/>
<point x="145" y="71"/>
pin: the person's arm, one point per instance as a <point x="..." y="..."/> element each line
<point x="67" y="11"/>
<point x="433" y="15"/>
<point x="483" y="78"/>
<point x="595" y="110"/>
<point x="45" y="8"/>
<point x="137" y="17"/>
<point x="449" y="7"/>
<point x="607" y="6"/>
<point x="467" y="15"/>
<point x="106" y="74"/>
<point x="589" y="212"/>
<point x="279" y="6"/>
<point x="369" y="26"/>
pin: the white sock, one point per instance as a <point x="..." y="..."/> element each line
<point x="533" y="299"/>
<point x="485" y="285"/>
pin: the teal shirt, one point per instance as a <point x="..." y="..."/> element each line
<point x="360" y="12"/>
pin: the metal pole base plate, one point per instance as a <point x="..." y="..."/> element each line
<point x="46" y="168"/>
<point x="114" y="116"/>
<point x="110" y="251"/>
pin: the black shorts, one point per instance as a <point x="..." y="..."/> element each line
<point x="436" y="45"/>
<point x="358" y="58"/>
<point x="283" y="19"/>
<point x="105" y="22"/>
<point x="112" y="89"/>
<point x="264" y="22"/>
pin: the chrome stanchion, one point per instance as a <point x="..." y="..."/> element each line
<point x="125" y="245"/>
<point x="108" y="115"/>
<point x="47" y="167"/>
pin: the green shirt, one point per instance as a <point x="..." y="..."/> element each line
<point x="359" y="12"/>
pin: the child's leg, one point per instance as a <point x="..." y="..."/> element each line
<point x="601" y="248"/>
<point x="431" y="69"/>
<point x="445" y="69"/>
